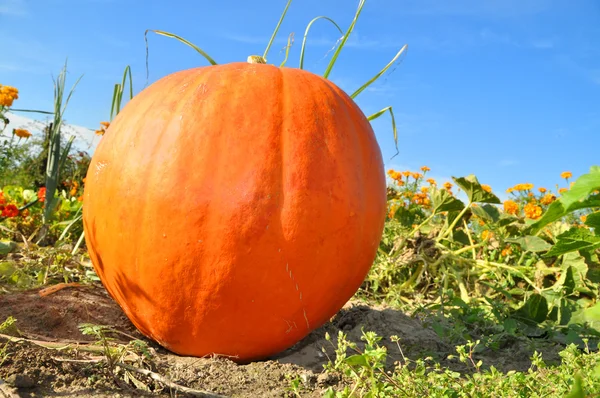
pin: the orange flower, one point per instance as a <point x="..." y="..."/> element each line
<point x="431" y="181"/>
<point x="562" y="190"/>
<point x="425" y="169"/>
<point x="486" y="188"/>
<point x="487" y="234"/>
<point x="532" y="211"/>
<point x="547" y="199"/>
<point x="542" y="189"/>
<point x="406" y="173"/>
<point x="448" y="185"/>
<point x="2" y="200"/>
<point x="566" y="175"/>
<point x="511" y="207"/>
<point x="42" y="194"/>
<point x="424" y="189"/>
<point x="7" y="95"/>
<point x="416" y="176"/>
<point x="583" y="218"/>
<point x="523" y="187"/>
<point x="506" y="251"/>
<point x="103" y="127"/>
<point x="509" y="190"/>
<point x="21" y="133"/>
<point x="9" y="210"/>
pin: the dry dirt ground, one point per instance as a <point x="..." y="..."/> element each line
<point x="29" y="370"/>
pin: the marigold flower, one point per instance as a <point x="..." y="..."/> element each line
<point x="547" y="199"/>
<point x="566" y="175"/>
<point x="9" y="210"/>
<point x="416" y="176"/>
<point x="487" y="234"/>
<point x="7" y="95"/>
<point x="523" y="187"/>
<point x="532" y="211"/>
<point x="425" y="169"/>
<point x="2" y="200"/>
<point x="562" y="190"/>
<point x="41" y="194"/>
<point x="486" y="188"/>
<point x="22" y="133"/>
<point x="431" y="181"/>
<point x="448" y="185"/>
<point x="506" y="251"/>
<point x="509" y="190"/>
<point x="424" y="189"/>
<point x="583" y="218"/>
<point x="406" y="173"/>
<point x="511" y="207"/>
<point x="542" y="189"/>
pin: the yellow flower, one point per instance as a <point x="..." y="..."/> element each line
<point x="425" y="169"/>
<point x="547" y="199"/>
<point x="523" y="187"/>
<point x="487" y="234"/>
<point x="448" y="185"/>
<point x="21" y="133"/>
<point x="431" y="181"/>
<point x="406" y="173"/>
<point x="509" y="190"/>
<point x="511" y="207"/>
<point x="583" y="218"/>
<point x="542" y="189"/>
<point x="566" y="175"/>
<point x="7" y="95"/>
<point x="416" y="176"/>
<point x="562" y="190"/>
<point x="532" y="211"/>
<point x="486" y="188"/>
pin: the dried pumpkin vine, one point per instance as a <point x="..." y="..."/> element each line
<point x="263" y="59"/>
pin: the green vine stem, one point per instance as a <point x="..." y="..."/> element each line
<point x="306" y="34"/>
<point x="276" y="30"/>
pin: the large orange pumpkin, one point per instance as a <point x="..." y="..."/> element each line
<point x="233" y="209"/>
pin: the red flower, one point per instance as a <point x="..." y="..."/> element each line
<point x="2" y="200"/>
<point x="9" y="210"/>
<point x="42" y="194"/>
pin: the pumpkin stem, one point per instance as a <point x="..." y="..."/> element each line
<point x="256" y="59"/>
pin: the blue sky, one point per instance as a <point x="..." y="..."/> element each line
<point x="508" y="90"/>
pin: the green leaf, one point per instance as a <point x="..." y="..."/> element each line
<point x="475" y="191"/>
<point x="593" y="221"/>
<point x="7" y="247"/>
<point x="531" y="243"/>
<point x="584" y="185"/>
<point x="7" y="268"/>
<point x="535" y="309"/>
<point x="577" y="390"/>
<point x="442" y="201"/>
<point x="572" y="240"/>
<point x="357" y="360"/>
<point x="487" y="212"/>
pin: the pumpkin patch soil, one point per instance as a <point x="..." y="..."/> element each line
<point x="29" y="370"/>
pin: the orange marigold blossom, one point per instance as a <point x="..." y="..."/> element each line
<point x="425" y="169"/>
<point x="511" y="207"/>
<point x="487" y="234"/>
<point x="547" y="199"/>
<point x="406" y="173"/>
<point x="562" y="190"/>
<point x="583" y="218"/>
<point x="486" y="188"/>
<point x="566" y="175"/>
<point x="2" y="200"/>
<point x="431" y="181"/>
<point x="448" y="185"/>
<point x="424" y="189"/>
<point x="542" y="189"/>
<point x="42" y="194"/>
<point x="532" y="211"/>
<point x="7" y="95"/>
<point x="22" y="133"/>
<point x="416" y="176"/>
<point x="506" y="251"/>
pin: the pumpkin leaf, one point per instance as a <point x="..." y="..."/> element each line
<point x="336" y="54"/>
<point x="381" y="112"/>
<point x="574" y="239"/>
<point x="584" y="185"/>
<point x="531" y="243"/>
<point x="443" y="201"/>
<point x="381" y="72"/>
<point x="593" y="221"/>
<point x="306" y="34"/>
<point x="487" y="212"/>
<point x="7" y="247"/>
<point x="475" y="191"/>
<point x="535" y="309"/>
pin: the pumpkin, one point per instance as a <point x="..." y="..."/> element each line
<point x="233" y="209"/>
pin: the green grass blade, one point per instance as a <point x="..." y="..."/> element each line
<point x="181" y="39"/>
<point x="31" y="111"/>
<point x="287" y="49"/>
<point x="115" y="98"/>
<point x="377" y="76"/>
<point x="381" y="112"/>
<point x="306" y="34"/>
<point x="345" y="38"/>
<point x="276" y="30"/>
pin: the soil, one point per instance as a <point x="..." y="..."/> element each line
<point x="30" y="370"/>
